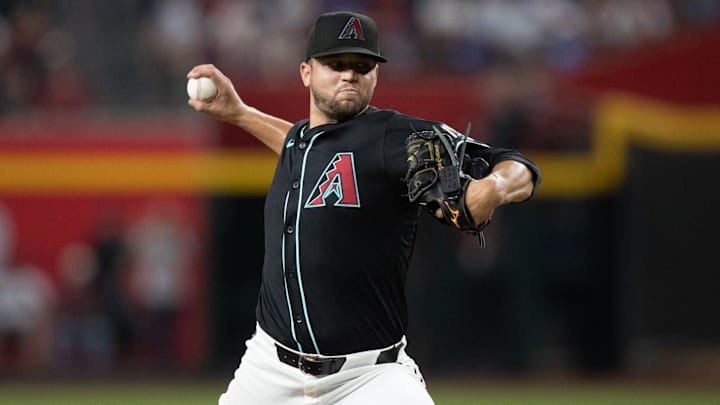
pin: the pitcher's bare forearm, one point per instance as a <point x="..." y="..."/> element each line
<point x="514" y="181"/>
<point x="267" y="128"/>
<point x="227" y="106"/>
<point x="510" y="181"/>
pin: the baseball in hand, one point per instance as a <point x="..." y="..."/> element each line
<point x="201" y="88"/>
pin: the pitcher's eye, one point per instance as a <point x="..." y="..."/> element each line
<point x="362" y="68"/>
<point x="337" y="66"/>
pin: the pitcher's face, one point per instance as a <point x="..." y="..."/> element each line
<point x="341" y="85"/>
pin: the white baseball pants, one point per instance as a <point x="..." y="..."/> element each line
<point x="262" y="379"/>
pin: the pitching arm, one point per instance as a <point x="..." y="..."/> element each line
<point x="227" y="106"/>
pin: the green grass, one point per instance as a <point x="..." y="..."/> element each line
<point x="116" y="393"/>
<point x="444" y="393"/>
<point x="516" y="394"/>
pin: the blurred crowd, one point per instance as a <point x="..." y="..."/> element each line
<point x="114" y="300"/>
<point x="68" y="55"/>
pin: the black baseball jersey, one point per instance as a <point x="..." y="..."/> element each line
<point x="339" y="232"/>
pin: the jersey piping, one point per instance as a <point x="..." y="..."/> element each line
<point x="297" y="240"/>
<point x="287" y="293"/>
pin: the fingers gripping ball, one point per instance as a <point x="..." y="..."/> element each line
<point x="201" y="88"/>
<point x="436" y="179"/>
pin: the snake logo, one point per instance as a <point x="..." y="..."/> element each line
<point x="338" y="180"/>
<point x="352" y="30"/>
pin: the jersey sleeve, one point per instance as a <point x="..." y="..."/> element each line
<point x="398" y="129"/>
<point x="494" y="155"/>
<point x="394" y="147"/>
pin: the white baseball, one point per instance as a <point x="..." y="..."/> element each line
<point x="201" y="88"/>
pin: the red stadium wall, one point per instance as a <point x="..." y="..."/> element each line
<point x="681" y="70"/>
<point x="47" y="217"/>
<point x="47" y="220"/>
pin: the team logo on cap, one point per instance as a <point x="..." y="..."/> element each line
<point x="352" y="30"/>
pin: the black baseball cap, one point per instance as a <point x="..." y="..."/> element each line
<point x="343" y="32"/>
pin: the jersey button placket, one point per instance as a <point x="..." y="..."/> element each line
<point x="291" y="275"/>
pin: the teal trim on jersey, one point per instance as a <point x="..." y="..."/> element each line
<point x="290" y="143"/>
<point x="338" y="191"/>
<point x="297" y="239"/>
<point x="287" y="293"/>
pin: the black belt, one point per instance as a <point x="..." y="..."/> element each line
<point x="321" y="366"/>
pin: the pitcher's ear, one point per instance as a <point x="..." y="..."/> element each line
<point x="305" y="70"/>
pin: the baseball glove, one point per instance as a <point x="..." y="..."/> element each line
<point x="438" y="175"/>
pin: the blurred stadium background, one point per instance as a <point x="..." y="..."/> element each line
<point x="131" y="226"/>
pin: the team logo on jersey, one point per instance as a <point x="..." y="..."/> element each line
<point x="352" y="30"/>
<point x="338" y="179"/>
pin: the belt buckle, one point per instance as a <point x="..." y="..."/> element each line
<point x="303" y="357"/>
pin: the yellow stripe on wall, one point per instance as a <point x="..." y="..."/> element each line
<point x="246" y="173"/>
<point x="620" y="120"/>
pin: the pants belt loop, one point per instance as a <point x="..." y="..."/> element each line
<point x="390" y="355"/>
